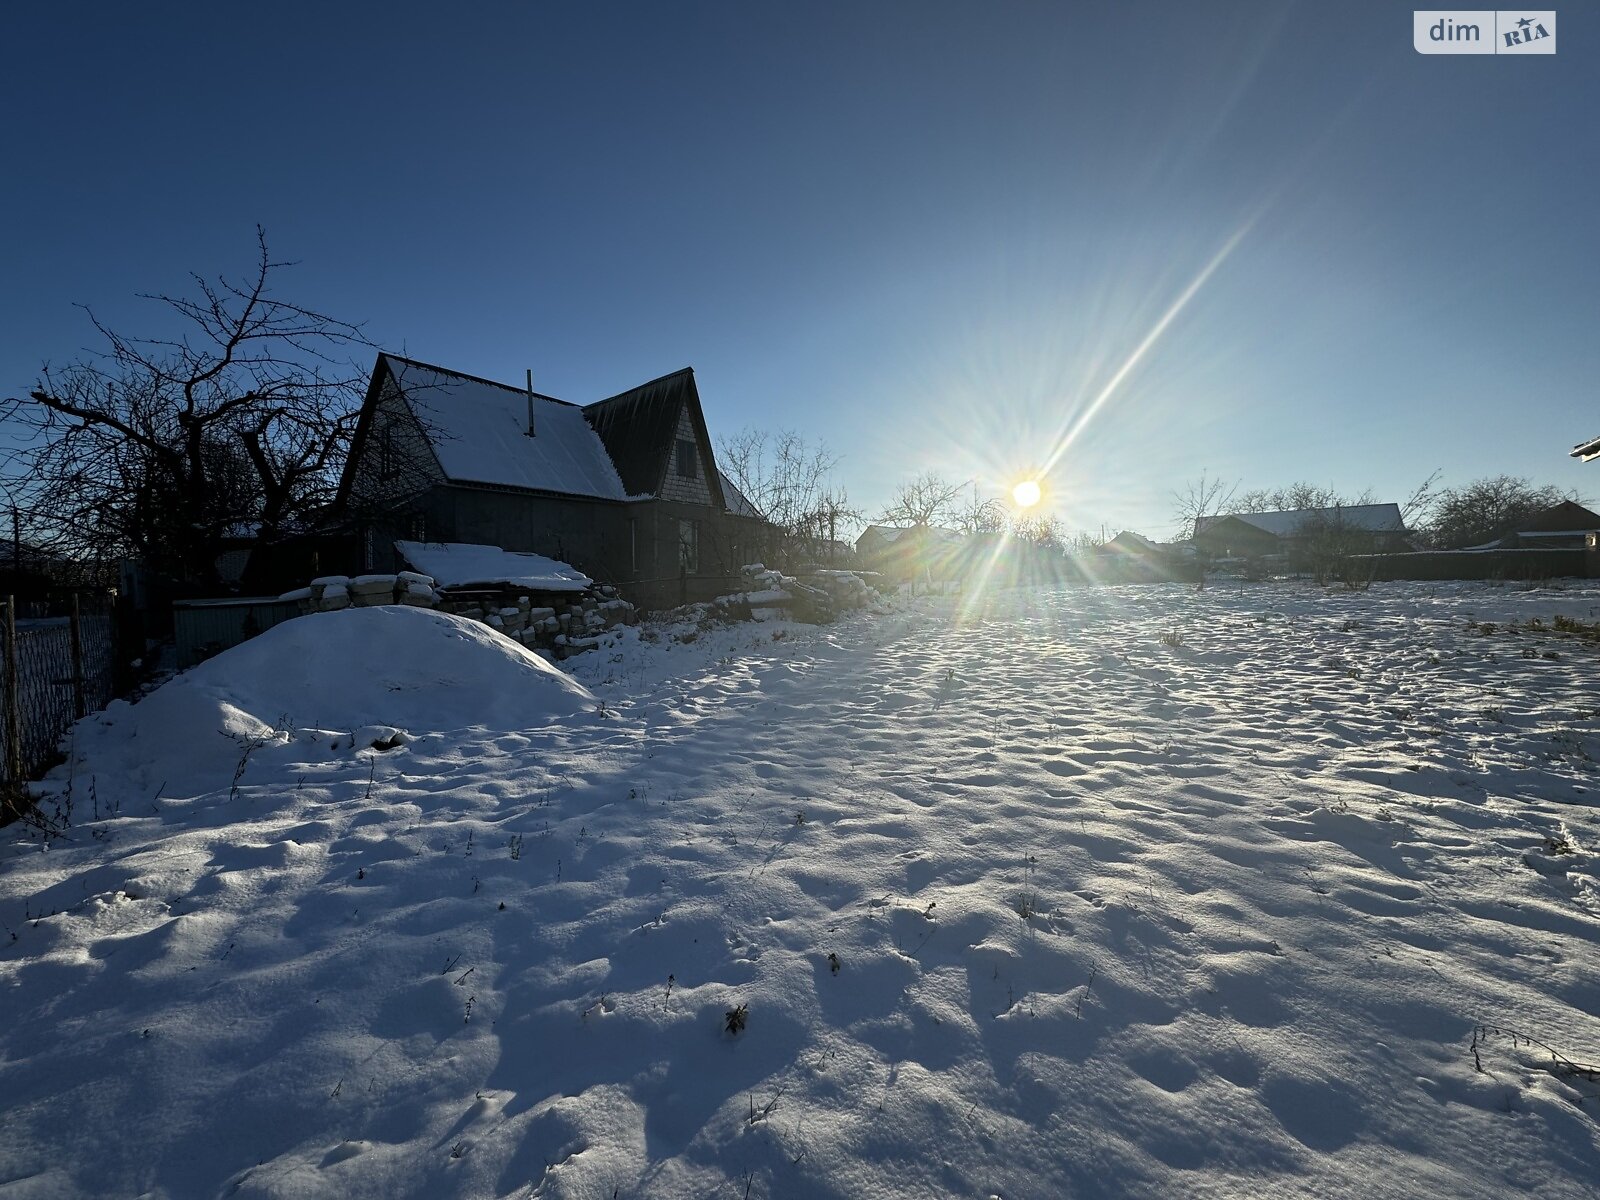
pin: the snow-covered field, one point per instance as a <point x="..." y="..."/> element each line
<point x="1129" y="891"/>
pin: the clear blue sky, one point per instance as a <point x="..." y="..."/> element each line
<point x="928" y="234"/>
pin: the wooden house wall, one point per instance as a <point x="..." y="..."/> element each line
<point x="683" y="489"/>
<point x="396" y="462"/>
<point x="1232" y="538"/>
<point x="585" y="533"/>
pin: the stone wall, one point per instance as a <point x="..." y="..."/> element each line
<point x="559" y="624"/>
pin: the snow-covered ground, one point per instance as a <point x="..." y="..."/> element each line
<point x="1128" y="891"/>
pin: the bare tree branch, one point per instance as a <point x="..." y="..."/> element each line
<point x="786" y="478"/>
<point x="1484" y="510"/>
<point x="925" y="500"/>
<point x="1200" y="498"/>
<point x="160" y="448"/>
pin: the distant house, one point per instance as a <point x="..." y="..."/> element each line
<point x="627" y="490"/>
<point x="875" y="539"/>
<point x="1133" y="558"/>
<point x="913" y="550"/>
<point x="1363" y="528"/>
<point x="1564" y="526"/>
<point x="1128" y="544"/>
<point x="1587" y="451"/>
<point x="1129" y="556"/>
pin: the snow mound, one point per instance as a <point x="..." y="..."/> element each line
<point x="360" y="675"/>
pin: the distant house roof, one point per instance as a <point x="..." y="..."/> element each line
<point x="479" y="432"/>
<point x="1567" y="517"/>
<point x="1129" y="542"/>
<point x="1587" y="450"/>
<point x="639" y="429"/>
<point x="615" y="449"/>
<point x="1371" y="518"/>
<point x="877" y="538"/>
<point x="1568" y="521"/>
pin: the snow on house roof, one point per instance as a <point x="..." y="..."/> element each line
<point x="1372" y="518"/>
<point x="1534" y="534"/>
<point x="479" y="432"/>
<point x="461" y="564"/>
<point x="738" y="503"/>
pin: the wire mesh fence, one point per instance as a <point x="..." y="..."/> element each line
<point x="57" y="670"/>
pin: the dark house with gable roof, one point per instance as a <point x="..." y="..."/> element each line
<point x="627" y="489"/>
<point x="1568" y="525"/>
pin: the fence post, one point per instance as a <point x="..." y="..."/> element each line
<point x="13" y="780"/>
<point x="78" y="706"/>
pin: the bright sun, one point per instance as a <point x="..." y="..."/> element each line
<point x="1026" y="494"/>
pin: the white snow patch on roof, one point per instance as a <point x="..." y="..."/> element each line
<point x="480" y="433"/>
<point x="462" y="564"/>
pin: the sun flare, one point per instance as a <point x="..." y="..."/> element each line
<point x="1027" y="493"/>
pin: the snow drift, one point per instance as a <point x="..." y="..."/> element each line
<point x="354" y="677"/>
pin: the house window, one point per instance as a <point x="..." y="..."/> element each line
<point x="686" y="459"/>
<point x="689" y="546"/>
<point x="388" y="458"/>
<point x="633" y="545"/>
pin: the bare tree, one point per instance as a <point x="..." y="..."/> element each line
<point x="973" y="515"/>
<point x="787" y="481"/>
<point x="1485" y="509"/>
<point x="1200" y="498"/>
<point x="832" y="520"/>
<point x="926" y="500"/>
<point x="1085" y="540"/>
<point x="1418" y="503"/>
<point x="1297" y="496"/>
<point x="161" y="448"/>
<point x="1041" y="530"/>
